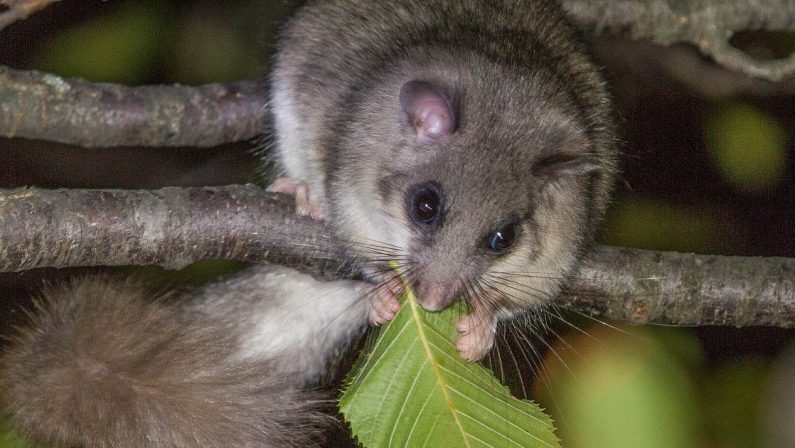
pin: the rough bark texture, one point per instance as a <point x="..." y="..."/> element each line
<point x="707" y="24"/>
<point x="640" y="286"/>
<point x="173" y="227"/>
<point x="43" y="106"/>
<point x="170" y="227"/>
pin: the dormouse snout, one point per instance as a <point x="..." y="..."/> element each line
<point x="436" y="295"/>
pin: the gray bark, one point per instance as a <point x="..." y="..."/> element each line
<point x="707" y="24"/>
<point x="641" y="286"/>
<point x="43" y="106"/>
<point x="173" y="227"/>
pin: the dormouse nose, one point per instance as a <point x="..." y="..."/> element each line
<point x="436" y="295"/>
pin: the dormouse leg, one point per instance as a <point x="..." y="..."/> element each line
<point x="477" y="331"/>
<point x="306" y="203"/>
<point x="383" y="303"/>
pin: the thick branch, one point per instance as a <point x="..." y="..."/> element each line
<point x="641" y="286"/>
<point x="42" y="106"/>
<point x="173" y="227"/>
<point x="170" y="227"/>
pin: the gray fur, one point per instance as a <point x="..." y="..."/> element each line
<point x="103" y="364"/>
<point x="524" y="92"/>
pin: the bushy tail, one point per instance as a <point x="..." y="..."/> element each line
<point x="104" y="365"/>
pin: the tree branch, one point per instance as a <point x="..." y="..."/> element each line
<point x="42" y="106"/>
<point x="641" y="286"/>
<point x="707" y="24"/>
<point x="173" y="227"/>
<point x="170" y="227"/>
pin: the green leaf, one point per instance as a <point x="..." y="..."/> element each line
<point x="413" y="389"/>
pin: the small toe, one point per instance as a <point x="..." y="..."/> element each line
<point x="477" y="338"/>
<point x="302" y="207"/>
<point x="283" y="185"/>
<point x="383" y="306"/>
<point x="316" y="210"/>
<point x="463" y="324"/>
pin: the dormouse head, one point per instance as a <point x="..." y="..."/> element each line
<point x="476" y="184"/>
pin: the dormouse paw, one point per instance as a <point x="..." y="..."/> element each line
<point x="306" y="204"/>
<point x="477" y="337"/>
<point x="384" y="303"/>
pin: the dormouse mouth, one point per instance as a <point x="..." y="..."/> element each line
<point x="436" y="295"/>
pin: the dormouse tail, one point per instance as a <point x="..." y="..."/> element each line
<point x="102" y="364"/>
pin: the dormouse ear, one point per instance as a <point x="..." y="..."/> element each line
<point x="561" y="165"/>
<point x="570" y="157"/>
<point x="428" y="111"/>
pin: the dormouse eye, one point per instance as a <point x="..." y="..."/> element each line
<point x="426" y="205"/>
<point x="502" y="238"/>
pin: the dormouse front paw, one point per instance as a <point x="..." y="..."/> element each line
<point x="384" y="303"/>
<point x="306" y="203"/>
<point x="477" y="336"/>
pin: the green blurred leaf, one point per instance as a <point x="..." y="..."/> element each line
<point x="216" y="46"/>
<point x="413" y="389"/>
<point x="748" y="146"/>
<point x="614" y="390"/>
<point x="733" y="395"/>
<point x="657" y="225"/>
<point x="122" y="46"/>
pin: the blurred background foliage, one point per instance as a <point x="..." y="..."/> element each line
<point x="700" y="174"/>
